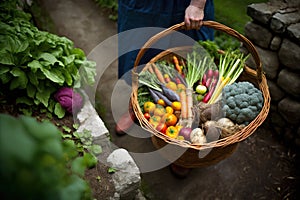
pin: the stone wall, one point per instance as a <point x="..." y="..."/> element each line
<point x="275" y="31"/>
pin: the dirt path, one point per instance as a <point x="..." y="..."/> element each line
<point x="261" y="167"/>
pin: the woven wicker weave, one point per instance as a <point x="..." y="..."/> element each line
<point x="222" y="148"/>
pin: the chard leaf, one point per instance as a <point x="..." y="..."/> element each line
<point x="48" y="57"/>
<point x="59" y="111"/>
<point x="4" y="69"/>
<point x="88" y="72"/>
<point x="15" y="45"/>
<point x="5" y="78"/>
<point x="54" y="75"/>
<point x="7" y="58"/>
<point x="31" y="90"/>
<point x="20" y="80"/>
<point x="33" y="78"/>
<point x="68" y="59"/>
<point x="24" y="100"/>
<point x="43" y="97"/>
<point x="79" y="53"/>
<point x="68" y="77"/>
<point x="34" y="65"/>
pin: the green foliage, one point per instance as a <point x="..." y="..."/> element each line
<point x="86" y="142"/>
<point x="36" y="63"/>
<point x="233" y="13"/>
<point x="225" y="42"/>
<point x="110" y="4"/>
<point x="37" y="164"/>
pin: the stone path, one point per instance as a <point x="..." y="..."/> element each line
<point x="260" y="168"/>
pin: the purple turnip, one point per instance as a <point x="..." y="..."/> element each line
<point x="185" y="132"/>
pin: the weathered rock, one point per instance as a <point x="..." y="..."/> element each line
<point x="89" y="119"/>
<point x="262" y="12"/>
<point x="281" y="20"/>
<point x="269" y="61"/>
<point x="258" y="34"/>
<point x="289" y="109"/>
<point x="275" y="43"/>
<point x="294" y="32"/>
<point x="127" y="176"/>
<point x="289" y="82"/>
<point x="289" y="54"/>
<point x="277" y="119"/>
<point x="276" y="92"/>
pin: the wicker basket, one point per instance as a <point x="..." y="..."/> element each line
<point x="222" y="148"/>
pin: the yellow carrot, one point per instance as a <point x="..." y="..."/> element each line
<point x="219" y="90"/>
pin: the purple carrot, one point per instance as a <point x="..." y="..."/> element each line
<point x="163" y="97"/>
<point x="153" y="95"/>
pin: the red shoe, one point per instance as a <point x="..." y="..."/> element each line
<point x="124" y="123"/>
<point x="180" y="172"/>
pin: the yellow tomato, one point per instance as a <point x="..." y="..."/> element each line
<point x="159" y="111"/>
<point x="154" y="120"/>
<point x="172" y="85"/>
<point x="169" y="110"/>
<point x="170" y="119"/>
<point x="149" y="107"/>
<point x="180" y="87"/>
<point x="161" y="102"/>
<point x="176" y="105"/>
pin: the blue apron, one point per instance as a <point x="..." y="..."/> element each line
<point x="137" y="14"/>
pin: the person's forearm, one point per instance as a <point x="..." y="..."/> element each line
<point x="198" y="3"/>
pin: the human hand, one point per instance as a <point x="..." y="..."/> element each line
<point x="193" y="17"/>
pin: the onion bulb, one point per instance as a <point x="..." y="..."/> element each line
<point x="197" y="136"/>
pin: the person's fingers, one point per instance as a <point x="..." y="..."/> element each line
<point x="195" y="24"/>
<point x="187" y="23"/>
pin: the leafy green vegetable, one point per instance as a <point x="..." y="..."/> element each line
<point x="37" y="63"/>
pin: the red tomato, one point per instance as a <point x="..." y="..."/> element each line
<point x="147" y="115"/>
<point x="162" y="127"/>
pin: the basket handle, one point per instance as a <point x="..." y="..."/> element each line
<point x="209" y="24"/>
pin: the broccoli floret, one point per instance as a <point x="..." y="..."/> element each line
<point x="231" y="102"/>
<point x="242" y="102"/>
<point x="241" y="118"/>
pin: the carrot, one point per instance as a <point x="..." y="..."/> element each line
<point x="177" y="66"/>
<point x="183" y="114"/>
<point x="219" y="89"/>
<point x="154" y="96"/>
<point x="158" y="73"/>
<point x="150" y="70"/>
<point x="163" y="97"/>
<point x="172" y="95"/>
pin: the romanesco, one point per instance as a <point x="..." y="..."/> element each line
<point x="242" y="102"/>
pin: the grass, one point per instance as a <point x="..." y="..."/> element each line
<point x="233" y="13"/>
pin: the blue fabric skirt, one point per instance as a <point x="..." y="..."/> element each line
<point x="138" y="20"/>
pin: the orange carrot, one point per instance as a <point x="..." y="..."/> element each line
<point x="177" y="66"/>
<point x="158" y="73"/>
<point x="150" y="69"/>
